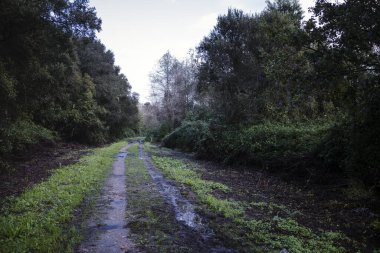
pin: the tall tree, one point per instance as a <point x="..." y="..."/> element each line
<point x="173" y="87"/>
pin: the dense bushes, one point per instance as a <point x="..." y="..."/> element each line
<point x="315" y="146"/>
<point x="270" y="142"/>
<point x="21" y="134"/>
<point x="354" y="149"/>
<point x="256" y="144"/>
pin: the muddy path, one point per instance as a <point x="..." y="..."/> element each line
<point x="106" y="228"/>
<point x="139" y="210"/>
<point x="183" y="209"/>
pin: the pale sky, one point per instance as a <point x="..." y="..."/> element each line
<point x="139" y="32"/>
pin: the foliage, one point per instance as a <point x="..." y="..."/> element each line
<point x="21" y="134"/>
<point x="117" y="106"/>
<point x="38" y="220"/>
<point x="269" y="141"/>
<point x="254" y="68"/>
<point x="190" y="136"/>
<point x="45" y="77"/>
<point x="267" y="144"/>
<point x="346" y="56"/>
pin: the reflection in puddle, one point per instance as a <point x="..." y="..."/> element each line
<point x="183" y="209"/>
<point x="111" y="227"/>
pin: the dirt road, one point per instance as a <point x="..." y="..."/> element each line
<point x="139" y="210"/>
<point x="160" y="200"/>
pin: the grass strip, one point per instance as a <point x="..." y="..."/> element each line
<point x="41" y="219"/>
<point x="150" y="219"/>
<point x="254" y="235"/>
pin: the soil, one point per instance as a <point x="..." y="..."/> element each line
<point x="35" y="165"/>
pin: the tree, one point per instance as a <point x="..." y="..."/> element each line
<point x="346" y="41"/>
<point x="117" y="105"/>
<point x="230" y="71"/>
<point x="173" y="87"/>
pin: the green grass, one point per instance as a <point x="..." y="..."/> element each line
<point x="41" y="219"/>
<point x="267" y="234"/>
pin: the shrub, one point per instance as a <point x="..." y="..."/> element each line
<point x="20" y="134"/>
<point x="260" y="143"/>
<point x="190" y="136"/>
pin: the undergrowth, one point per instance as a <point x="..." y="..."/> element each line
<point x="41" y="219"/>
<point x="258" y="235"/>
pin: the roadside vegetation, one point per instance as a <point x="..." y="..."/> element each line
<point x="247" y="233"/>
<point x="48" y="216"/>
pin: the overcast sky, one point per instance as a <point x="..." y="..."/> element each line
<point x="139" y="32"/>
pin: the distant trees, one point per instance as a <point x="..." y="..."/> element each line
<point x="56" y="78"/>
<point x="173" y="89"/>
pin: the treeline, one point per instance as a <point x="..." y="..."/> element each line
<point x="56" y="79"/>
<point x="274" y="90"/>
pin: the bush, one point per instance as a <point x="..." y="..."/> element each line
<point x="267" y="142"/>
<point x="156" y="135"/>
<point x="20" y="134"/>
<point x="346" y="148"/>
<point x="129" y="133"/>
<point x="190" y="136"/>
<point x="355" y="149"/>
<point x="263" y="143"/>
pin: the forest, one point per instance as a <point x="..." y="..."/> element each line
<point x="264" y="138"/>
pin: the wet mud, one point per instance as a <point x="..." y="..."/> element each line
<point x="106" y="228"/>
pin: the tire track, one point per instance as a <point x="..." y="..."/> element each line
<point x="106" y="228"/>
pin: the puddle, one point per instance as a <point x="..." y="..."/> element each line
<point x="184" y="210"/>
<point x="118" y="202"/>
<point x="110" y="227"/>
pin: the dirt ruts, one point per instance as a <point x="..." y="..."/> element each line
<point x="106" y="230"/>
<point x="120" y="222"/>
